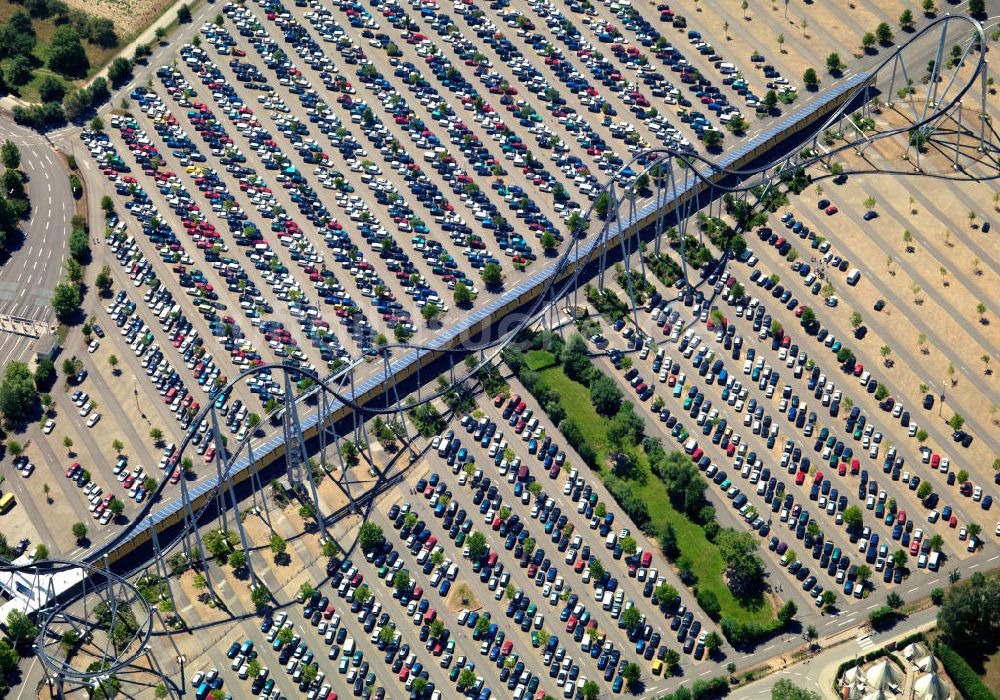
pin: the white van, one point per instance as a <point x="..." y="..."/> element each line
<point x="349" y="646"/>
<point x="853" y="276"/>
<point x="611" y="541"/>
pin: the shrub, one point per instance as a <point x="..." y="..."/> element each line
<point x="709" y="603"/>
<point x="966" y="680"/>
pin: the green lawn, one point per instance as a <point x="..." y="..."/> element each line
<point x="44" y="28"/>
<point x="706" y="560"/>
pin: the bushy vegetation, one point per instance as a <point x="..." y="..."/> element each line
<point x="661" y="491"/>
<point x="968" y="682"/>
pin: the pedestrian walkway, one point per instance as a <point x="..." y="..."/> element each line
<point x="866" y="642"/>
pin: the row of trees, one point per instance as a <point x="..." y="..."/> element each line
<point x="13" y="194"/>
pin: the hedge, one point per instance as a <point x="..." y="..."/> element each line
<point x="748" y="633"/>
<point x="967" y="681"/>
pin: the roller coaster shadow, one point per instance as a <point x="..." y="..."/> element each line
<point x="396" y="469"/>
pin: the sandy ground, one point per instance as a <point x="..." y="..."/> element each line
<point x="129" y="16"/>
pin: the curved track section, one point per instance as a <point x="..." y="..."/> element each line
<point x="685" y="182"/>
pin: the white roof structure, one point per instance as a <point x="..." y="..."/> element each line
<point x="931" y="687"/>
<point x="879" y="694"/>
<point x="883" y="675"/>
<point x="927" y="664"/>
<point x="852" y="674"/>
<point x="914" y="650"/>
<point x="29" y="593"/>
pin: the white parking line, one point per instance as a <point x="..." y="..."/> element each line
<point x="913" y="589"/>
<point x="974" y="566"/>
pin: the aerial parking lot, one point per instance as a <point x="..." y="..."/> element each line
<point x="680" y="491"/>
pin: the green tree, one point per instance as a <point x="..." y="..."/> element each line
<point x="120" y="70"/>
<point x="477" y="545"/>
<point x="79" y="531"/>
<point x="260" y="596"/>
<point x="492" y="275"/>
<point x="632" y="673"/>
<point x="66" y="54"/>
<point x="463" y="295"/>
<point x="712" y="139"/>
<point x="834" y="64"/>
<point x="713" y="642"/>
<point x="116" y="506"/>
<point x="370" y="537"/>
<point x="466" y="678"/>
<point x="66" y="300"/>
<point x="184" y="14"/>
<point x="906" y="20"/>
<point x="631" y="618"/>
<point x="18" y="393"/>
<point x="10" y="154"/>
<point x="884" y="33"/>
<point x="664" y="594"/>
<point x="21" y="630"/>
<point x="278" y="545"/>
<point x="590" y="690"/>
<point x="401" y="581"/>
<point x="899" y="559"/>
<point x="787" y="612"/>
<point x="548" y="241"/>
<point x="744" y="568"/>
<point x="104" y="281"/>
<point x="596" y="568"/>
<point x="784" y="689"/>
<point x="854" y="518"/>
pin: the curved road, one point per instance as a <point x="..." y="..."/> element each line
<point x="34" y="261"/>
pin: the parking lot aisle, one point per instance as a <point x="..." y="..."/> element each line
<point x="754" y="442"/>
<point x="52" y="471"/>
<point x="26" y="492"/>
<point x="904" y="444"/>
<point x="598" y="550"/>
<point x="351" y="176"/>
<point x="581" y="527"/>
<point x="423" y="111"/>
<point x="889" y="486"/>
<point x="135" y="295"/>
<point x="296" y="274"/>
<point x="469" y="647"/>
<point x="109" y="403"/>
<point x="348" y="620"/>
<point x="836" y="322"/>
<point x="354" y="178"/>
<point x="151" y="253"/>
<point x="557" y="126"/>
<point x="874" y="277"/>
<point x="723" y="13"/>
<point x="221" y="226"/>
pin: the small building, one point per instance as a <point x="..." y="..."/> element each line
<point x="46" y="346"/>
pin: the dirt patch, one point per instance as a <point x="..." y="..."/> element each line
<point x="462" y="598"/>
<point x="203" y="610"/>
<point x="129" y="16"/>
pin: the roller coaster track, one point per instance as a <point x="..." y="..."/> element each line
<point x="680" y="179"/>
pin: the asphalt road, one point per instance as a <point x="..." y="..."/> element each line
<point x="34" y="262"/>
